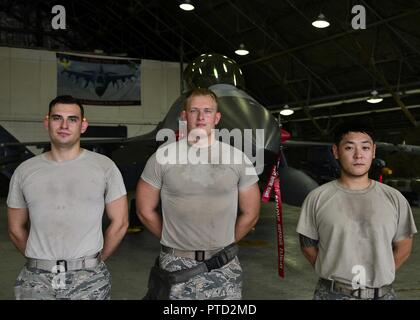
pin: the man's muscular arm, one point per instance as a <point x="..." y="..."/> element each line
<point x="309" y="248"/>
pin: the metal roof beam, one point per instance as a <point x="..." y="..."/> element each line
<point x="327" y="39"/>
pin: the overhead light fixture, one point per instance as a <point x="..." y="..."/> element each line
<point x="320" y="22"/>
<point x="374" y="97"/>
<point x="286" y="111"/>
<point x="241" y="51"/>
<point x="186" y="5"/>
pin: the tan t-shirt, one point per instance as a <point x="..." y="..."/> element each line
<point x="199" y="192"/>
<point x="66" y="202"/>
<point x="356" y="229"/>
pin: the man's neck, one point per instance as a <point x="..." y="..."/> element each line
<point x="64" y="154"/>
<point x="354" y="183"/>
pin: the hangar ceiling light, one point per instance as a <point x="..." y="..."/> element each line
<point x="186" y="5"/>
<point x="374" y="97"/>
<point x="320" y="22"/>
<point x="286" y="111"/>
<point x="241" y="51"/>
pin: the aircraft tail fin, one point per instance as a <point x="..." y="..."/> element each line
<point x="10" y="157"/>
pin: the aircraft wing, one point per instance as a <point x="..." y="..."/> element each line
<point x="86" y="76"/>
<point x="129" y="154"/>
<point x="84" y="142"/>
<point x="407" y="148"/>
<point x="297" y="143"/>
<point x="115" y="77"/>
<point x="383" y="146"/>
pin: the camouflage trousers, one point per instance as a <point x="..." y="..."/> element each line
<point x="322" y="292"/>
<point x="224" y="283"/>
<point x="86" y="284"/>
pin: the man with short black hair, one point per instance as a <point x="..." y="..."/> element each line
<point x="356" y="232"/>
<point x="62" y="195"/>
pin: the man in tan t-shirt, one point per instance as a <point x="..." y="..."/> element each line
<point x="200" y="191"/>
<point x="355" y="231"/>
<point x="55" y="205"/>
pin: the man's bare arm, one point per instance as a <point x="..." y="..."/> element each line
<point x="18" y="227"/>
<point x="249" y="206"/>
<point x="309" y="248"/>
<point x="147" y="201"/>
<point x="117" y="212"/>
<point x="402" y="250"/>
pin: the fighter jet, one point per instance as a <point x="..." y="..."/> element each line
<point x="240" y="113"/>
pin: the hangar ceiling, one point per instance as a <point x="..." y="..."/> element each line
<point x="324" y="74"/>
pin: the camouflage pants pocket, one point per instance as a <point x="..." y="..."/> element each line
<point x="31" y="285"/>
<point x="87" y="284"/>
<point x="224" y="283"/>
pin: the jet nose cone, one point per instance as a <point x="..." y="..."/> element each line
<point x="241" y="111"/>
<point x="100" y="90"/>
<point x="210" y="69"/>
<point x="259" y="129"/>
<point x="240" y="115"/>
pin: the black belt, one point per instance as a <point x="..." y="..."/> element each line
<point x="361" y="293"/>
<point x="217" y="261"/>
<point x="199" y="255"/>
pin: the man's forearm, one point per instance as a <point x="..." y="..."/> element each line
<point x="244" y="224"/>
<point x="152" y="221"/>
<point x="311" y="254"/>
<point x="113" y="236"/>
<point x="19" y="239"/>
<point x="401" y="251"/>
<point x="309" y="248"/>
<point x="249" y="206"/>
<point x="399" y="260"/>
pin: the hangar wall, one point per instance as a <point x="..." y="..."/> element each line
<point x="28" y="82"/>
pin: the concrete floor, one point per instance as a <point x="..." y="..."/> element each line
<point x="130" y="264"/>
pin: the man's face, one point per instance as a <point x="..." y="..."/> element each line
<point x="201" y="115"/>
<point x="65" y="125"/>
<point x="355" y="153"/>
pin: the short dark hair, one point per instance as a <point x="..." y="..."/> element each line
<point x="347" y="127"/>
<point x="200" y="92"/>
<point x="66" y="99"/>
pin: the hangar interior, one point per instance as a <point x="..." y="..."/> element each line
<point x="324" y="75"/>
